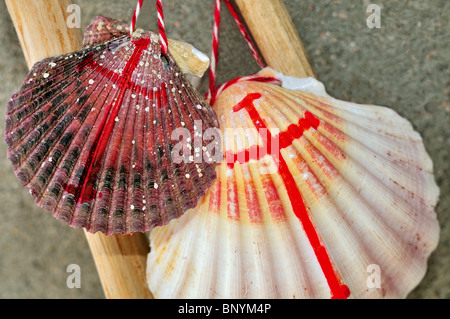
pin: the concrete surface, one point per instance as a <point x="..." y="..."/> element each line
<point x="404" y="65"/>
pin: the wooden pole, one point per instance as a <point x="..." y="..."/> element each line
<point x="41" y="28"/>
<point x="43" y="32"/>
<point x="276" y="36"/>
<point x="121" y="263"/>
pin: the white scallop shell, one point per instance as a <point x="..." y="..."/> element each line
<point x="367" y="186"/>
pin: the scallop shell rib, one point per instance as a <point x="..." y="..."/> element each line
<point x="366" y="183"/>
<point x="90" y="134"/>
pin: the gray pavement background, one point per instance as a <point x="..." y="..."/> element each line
<point x="403" y="65"/>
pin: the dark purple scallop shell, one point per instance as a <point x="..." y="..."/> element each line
<point x="89" y="133"/>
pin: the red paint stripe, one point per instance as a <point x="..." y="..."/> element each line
<point x="223" y="87"/>
<point x="157" y="95"/>
<point x="338" y="290"/>
<point x="86" y="191"/>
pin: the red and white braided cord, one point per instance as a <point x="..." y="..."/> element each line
<point x="162" y="32"/>
<point x="215" y="54"/>
<point x="213" y="90"/>
<point x="135" y="16"/>
<point x="245" y="34"/>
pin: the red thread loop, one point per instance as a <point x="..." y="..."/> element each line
<point x="213" y="90"/>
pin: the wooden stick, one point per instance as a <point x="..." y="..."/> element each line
<point x="276" y="36"/>
<point x="43" y="32"/>
<point x="121" y="263"/>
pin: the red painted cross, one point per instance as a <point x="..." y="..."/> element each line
<point x="86" y="191"/>
<point x="286" y="138"/>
